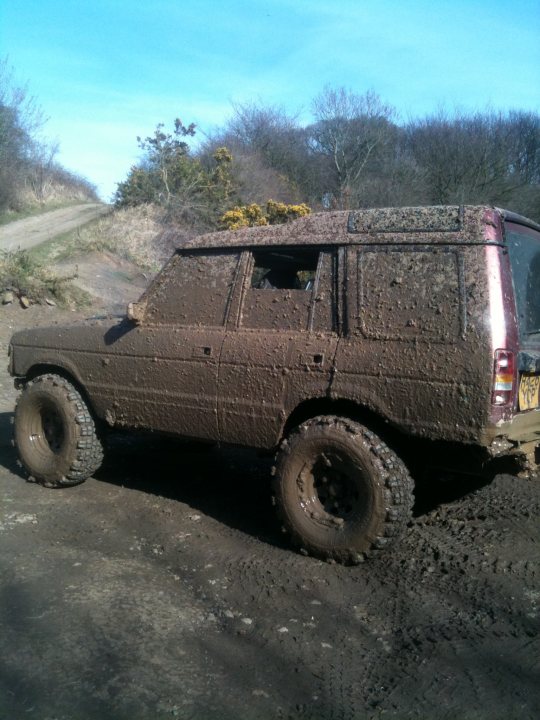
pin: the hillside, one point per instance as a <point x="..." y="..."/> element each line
<point x="31" y="178"/>
<point x="87" y="254"/>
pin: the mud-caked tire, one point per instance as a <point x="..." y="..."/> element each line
<point x="55" y="434"/>
<point x="340" y="491"/>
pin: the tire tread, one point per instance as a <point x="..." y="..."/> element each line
<point x="89" y="449"/>
<point x="398" y="487"/>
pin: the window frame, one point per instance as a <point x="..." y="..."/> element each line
<point x="332" y="252"/>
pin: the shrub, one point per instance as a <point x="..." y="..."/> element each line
<point x="277" y="212"/>
<point x="252" y="215"/>
<point x="29" y="279"/>
<point x="244" y="216"/>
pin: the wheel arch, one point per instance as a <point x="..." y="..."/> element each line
<point x="347" y="409"/>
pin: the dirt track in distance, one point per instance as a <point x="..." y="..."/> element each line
<point x="34" y="230"/>
<point x="163" y="588"/>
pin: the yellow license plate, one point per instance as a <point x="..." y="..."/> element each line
<point x="529" y="392"/>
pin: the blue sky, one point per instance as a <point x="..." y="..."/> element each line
<point x="105" y="71"/>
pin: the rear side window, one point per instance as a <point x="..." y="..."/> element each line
<point x="412" y="293"/>
<point x="193" y="290"/>
<point x="524" y="250"/>
<point x="290" y="289"/>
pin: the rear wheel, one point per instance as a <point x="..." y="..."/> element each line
<point x="340" y="491"/>
<point x="55" y="434"/>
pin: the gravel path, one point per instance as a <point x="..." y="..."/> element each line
<point x="34" y="230"/>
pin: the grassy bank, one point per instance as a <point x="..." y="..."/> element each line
<point x="132" y="234"/>
<point x="48" y="271"/>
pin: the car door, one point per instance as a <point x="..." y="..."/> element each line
<point x="280" y="344"/>
<point x="162" y="373"/>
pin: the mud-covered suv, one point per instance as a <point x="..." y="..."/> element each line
<point x="317" y="339"/>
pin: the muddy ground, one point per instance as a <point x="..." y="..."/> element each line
<point x="163" y="588"/>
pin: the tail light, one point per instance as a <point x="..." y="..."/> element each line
<point x="504" y="378"/>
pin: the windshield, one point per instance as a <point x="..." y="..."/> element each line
<point x="524" y="249"/>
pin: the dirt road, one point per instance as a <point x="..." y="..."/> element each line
<point x="34" y="230"/>
<point x="163" y="588"/>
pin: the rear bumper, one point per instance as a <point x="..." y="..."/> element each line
<point x="519" y="435"/>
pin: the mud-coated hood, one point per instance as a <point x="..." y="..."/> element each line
<point x="61" y="346"/>
<point x="62" y="336"/>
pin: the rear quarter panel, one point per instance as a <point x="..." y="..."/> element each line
<point x="418" y="351"/>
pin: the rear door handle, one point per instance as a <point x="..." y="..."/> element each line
<point x="202" y="351"/>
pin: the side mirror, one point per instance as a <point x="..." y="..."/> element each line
<point x="135" y="312"/>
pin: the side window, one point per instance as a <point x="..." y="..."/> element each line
<point x="410" y="294"/>
<point x="290" y="289"/>
<point x="284" y="270"/>
<point x="193" y="289"/>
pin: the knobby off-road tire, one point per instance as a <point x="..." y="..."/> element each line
<point x="341" y="493"/>
<point x="55" y="434"/>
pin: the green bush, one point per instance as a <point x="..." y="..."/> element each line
<point x="21" y="274"/>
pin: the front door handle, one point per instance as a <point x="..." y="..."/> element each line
<point x="315" y="359"/>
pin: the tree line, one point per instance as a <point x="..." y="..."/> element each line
<point x="29" y="173"/>
<point x="355" y="153"/>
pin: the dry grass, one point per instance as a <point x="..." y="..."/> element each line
<point x="54" y="194"/>
<point x="130" y="233"/>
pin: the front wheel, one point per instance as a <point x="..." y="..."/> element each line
<point x="340" y="491"/>
<point x="55" y="434"/>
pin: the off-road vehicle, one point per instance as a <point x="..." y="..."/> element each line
<point x="333" y="340"/>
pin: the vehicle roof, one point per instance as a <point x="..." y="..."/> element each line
<point x="519" y="219"/>
<point x="462" y="224"/>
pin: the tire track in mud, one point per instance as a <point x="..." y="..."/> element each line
<point x="424" y="622"/>
<point x="404" y="642"/>
<point x="333" y="643"/>
<point x="296" y="632"/>
<point x="414" y="635"/>
<point x="464" y="620"/>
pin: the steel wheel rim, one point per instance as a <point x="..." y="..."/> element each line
<point x="330" y="492"/>
<point x="47" y="429"/>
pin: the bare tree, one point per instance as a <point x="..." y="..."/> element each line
<point x="466" y="158"/>
<point x="349" y="131"/>
<point x="20" y="119"/>
<point x="257" y="182"/>
<point x="41" y="171"/>
<point x="268" y="146"/>
<point x="524" y="145"/>
<point x="27" y="161"/>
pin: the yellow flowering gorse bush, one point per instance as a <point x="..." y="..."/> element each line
<point x="253" y="215"/>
